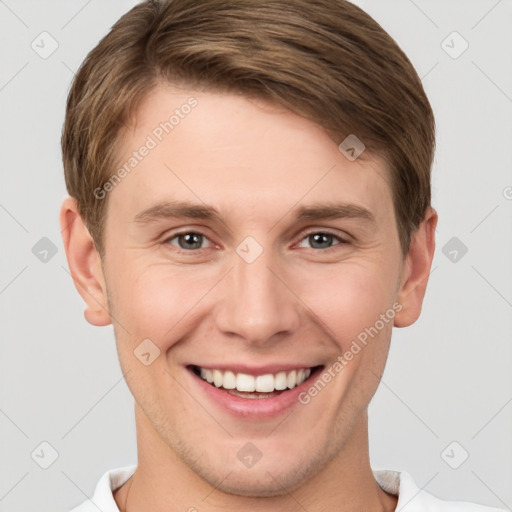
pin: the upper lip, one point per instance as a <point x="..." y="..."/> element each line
<point x="253" y="369"/>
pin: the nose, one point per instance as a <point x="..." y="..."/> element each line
<point x="259" y="304"/>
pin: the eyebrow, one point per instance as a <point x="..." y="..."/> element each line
<point x="177" y="209"/>
<point x="185" y="209"/>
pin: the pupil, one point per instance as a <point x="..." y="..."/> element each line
<point x="191" y="239"/>
<point x="317" y="239"/>
<point x="194" y="240"/>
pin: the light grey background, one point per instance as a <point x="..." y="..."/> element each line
<point x="448" y="377"/>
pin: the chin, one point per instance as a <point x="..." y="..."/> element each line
<point x="266" y="479"/>
<point x="260" y="484"/>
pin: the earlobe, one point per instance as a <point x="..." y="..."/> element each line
<point x="416" y="271"/>
<point x="84" y="264"/>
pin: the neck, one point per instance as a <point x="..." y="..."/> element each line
<point x="162" y="482"/>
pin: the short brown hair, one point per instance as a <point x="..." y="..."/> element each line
<point x="325" y="60"/>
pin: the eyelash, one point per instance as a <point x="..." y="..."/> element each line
<point x="341" y="240"/>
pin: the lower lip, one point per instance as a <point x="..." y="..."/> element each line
<point x="254" y="407"/>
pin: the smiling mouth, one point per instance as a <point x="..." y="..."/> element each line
<point x="254" y="386"/>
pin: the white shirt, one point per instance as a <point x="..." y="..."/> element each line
<point x="401" y="484"/>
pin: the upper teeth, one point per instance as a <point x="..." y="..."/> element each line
<point x="262" y="383"/>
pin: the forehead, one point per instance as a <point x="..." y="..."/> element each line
<point x="227" y="148"/>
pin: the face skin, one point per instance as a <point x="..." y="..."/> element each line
<point x="300" y="303"/>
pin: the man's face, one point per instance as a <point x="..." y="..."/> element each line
<point x="256" y="291"/>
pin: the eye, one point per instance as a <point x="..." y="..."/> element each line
<point x="187" y="240"/>
<point x="191" y="241"/>
<point x="323" y="240"/>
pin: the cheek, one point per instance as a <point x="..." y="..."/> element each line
<point x="350" y="298"/>
<point x="152" y="300"/>
<point x="162" y="302"/>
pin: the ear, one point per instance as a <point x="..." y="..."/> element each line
<point x="416" y="271"/>
<point x="84" y="264"/>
